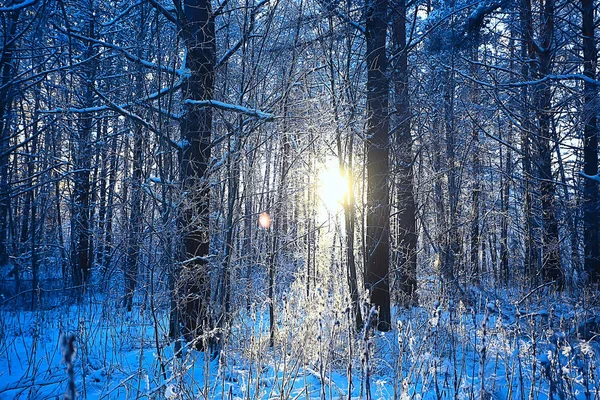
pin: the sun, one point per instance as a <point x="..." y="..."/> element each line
<point x="332" y="185"/>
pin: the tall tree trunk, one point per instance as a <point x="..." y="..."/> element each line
<point x="103" y="177"/>
<point x="551" y="261"/>
<point x="505" y="217"/>
<point x="233" y="182"/>
<point x="591" y="203"/>
<point x="349" y="218"/>
<point x="280" y="226"/>
<point x="452" y="245"/>
<point x="196" y="128"/>
<point x="345" y="167"/>
<point x="532" y="259"/>
<point x="249" y="223"/>
<point x="378" y="208"/>
<point x="135" y="217"/>
<point x="507" y="172"/>
<point x="476" y="189"/>
<point x="8" y="70"/>
<point x="407" y="224"/>
<point x="107" y="244"/>
<point x="81" y="238"/>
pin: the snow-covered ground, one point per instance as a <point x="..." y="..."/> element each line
<point x="499" y="351"/>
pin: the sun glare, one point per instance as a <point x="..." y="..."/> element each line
<point x="333" y="186"/>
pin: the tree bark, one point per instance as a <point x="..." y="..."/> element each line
<point x="7" y="70"/>
<point x="532" y="261"/>
<point x="198" y="32"/>
<point x="476" y="189"/>
<point x="591" y="204"/>
<point x="135" y="217"/>
<point x="378" y="209"/>
<point x="551" y="260"/>
<point x="81" y="238"/>
<point x="407" y="224"/>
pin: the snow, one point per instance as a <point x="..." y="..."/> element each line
<point x="124" y="355"/>
<point x="183" y="143"/>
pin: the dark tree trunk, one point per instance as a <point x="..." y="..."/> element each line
<point x="507" y="171"/>
<point x="590" y="146"/>
<point x="532" y="261"/>
<point x="349" y="216"/>
<point x="135" y="217"/>
<point x="81" y="238"/>
<point x="249" y="223"/>
<point x="107" y="246"/>
<point x="452" y="244"/>
<point x="233" y="182"/>
<point x="378" y="209"/>
<point x="505" y="200"/>
<point x="7" y="69"/>
<point x="102" y="198"/>
<point x="407" y="224"/>
<point x="196" y="127"/>
<point x="551" y="265"/>
<point x="476" y="189"/>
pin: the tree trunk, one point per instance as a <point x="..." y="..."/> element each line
<point x="196" y="128"/>
<point x="551" y="261"/>
<point x="505" y="203"/>
<point x="532" y="261"/>
<point x="7" y="69"/>
<point x="452" y="245"/>
<point x="135" y="217"/>
<point x="476" y="189"/>
<point x="81" y="238"/>
<point x="590" y="146"/>
<point x="407" y="224"/>
<point x="378" y="209"/>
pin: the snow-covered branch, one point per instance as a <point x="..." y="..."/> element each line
<point x="18" y="6"/>
<point x="128" y="55"/>
<point x="564" y="77"/>
<point x="591" y="177"/>
<point x="351" y="22"/>
<point x="106" y="107"/>
<point x="232" y="107"/>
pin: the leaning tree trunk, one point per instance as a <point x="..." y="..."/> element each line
<point x="590" y="146"/>
<point x="196" y="127"/>
<point x="378" y="209"/>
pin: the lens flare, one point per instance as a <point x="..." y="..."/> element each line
<point x="264" y="220"/>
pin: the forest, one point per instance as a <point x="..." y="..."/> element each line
<point x="299" y="199"/>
